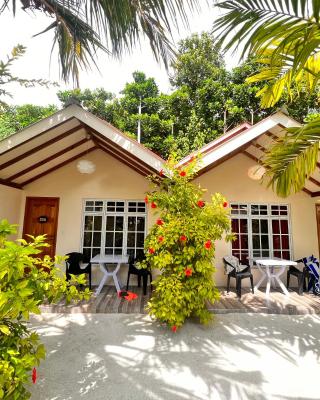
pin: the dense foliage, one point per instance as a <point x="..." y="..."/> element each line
<point x="206" y="100"/>
<point x="15" y="118"/>
<point x="284" y="36"/>
<point x="181" y="245"/>
<point x="26" y="282"/>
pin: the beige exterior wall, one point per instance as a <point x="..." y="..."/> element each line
<point x="10" y="203"/>
<point x="231" y="180"/>
<point x="111" y="180"/>
<point x="114" y="180"/>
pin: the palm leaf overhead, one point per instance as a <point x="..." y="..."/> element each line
<point x="284" y="36"/>
<point x="81" y="27"/>
<point x="293" y="158"/>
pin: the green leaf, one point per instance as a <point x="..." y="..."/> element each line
<point x="5" y="329"/>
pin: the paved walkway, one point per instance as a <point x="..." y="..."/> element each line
<point x="128" y="357"/>
<point x="277" y="303"/>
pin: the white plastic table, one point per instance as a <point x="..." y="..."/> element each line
<point x="271" y="269"/>
<point x="103" y="260"/>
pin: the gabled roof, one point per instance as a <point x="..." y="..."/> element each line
<point x="252" y="141"/>
<point x="63" y="137"/>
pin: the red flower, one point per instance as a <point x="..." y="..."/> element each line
<point x="151" y="250"/>
<point x="207" y="244"/>
<point x="182" y="173"/>
<point x="225" y="204"/>
<point x="174" y="329"/>
<point x="191" y="158"/>
<point x="160" y="239"/>
<point x="183" y="238"/>
<point x="188" y="271"/>
<point x="160" y="221"/>
<point x="153" y="205"/>
<point x="34" y="375"/>
<point x="146" y="200"/>
<point x="161" y="173"/>
<point x="127" y="295"/>
<point x="200" y="203"/>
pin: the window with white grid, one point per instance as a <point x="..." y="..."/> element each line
<point x="113" y="227"/>
<point x="261" y="230"/>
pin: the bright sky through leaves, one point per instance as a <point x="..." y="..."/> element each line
<point x="113" y="74"/>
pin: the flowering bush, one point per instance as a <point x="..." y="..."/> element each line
<point x="181" y="245"/>
<point x="25" y="282"/>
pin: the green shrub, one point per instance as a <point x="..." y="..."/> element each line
<point x="25" y="283"/>
<point x="181" y="245"/>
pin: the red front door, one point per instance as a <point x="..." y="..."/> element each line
<point x="41" y="217"/>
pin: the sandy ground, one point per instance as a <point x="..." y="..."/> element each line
<point x="127" y="356"/>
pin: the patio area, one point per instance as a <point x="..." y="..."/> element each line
<point x="129" y="357"/>
<point x="108" y="302"/>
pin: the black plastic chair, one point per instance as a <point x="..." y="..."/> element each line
<point x="73" y="266"/>
<point x="302" y="277"/>
<point x="237" y="271"/>
<point x="141" y="273"/>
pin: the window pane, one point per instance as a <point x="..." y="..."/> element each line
<point x="275" y="226"/>
<point x="86" y="254"/>
<point x="276" y="242"/>
<point x="140" y="254"/>
<point x="264" y="226"/>
<point x="118" y="252"/>
<point x="109" y="239"/>
<point x="284" y="226"/>
<point x="88" y="223"/>
<point x="244" y="241"/>
<point x="87" y="239"/>
<point x="256" y="241"/>
<point x="265" y="241"/>
<point x="95" y="251"/>
<point x="255" y="226"/>
<point x="118" y="239"/>
<point x="119" y="224"/>
<point x="97" y="239"/>
<point x="264" y="210"/>
<point x="254" y="209"/>
<point x="243" y="226"/>
<point x="131" y="223"/>
<point x="110" y="223"/>
<point x="98" y="223"/>
<point x="140" y="240"/>
<point x="236" y="243"/>
<point x="131" y="240"/>
<point x="120" y="206"/>
<point x="285" y="242"/>
<point x="140" y="224"/>
<point x="108" y="251"/>
<point x="286" y="255"/>
<point x="235" y="225"/>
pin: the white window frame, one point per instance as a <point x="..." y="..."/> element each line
<point x="249" y="217"/>
<point x="104" y="213"/>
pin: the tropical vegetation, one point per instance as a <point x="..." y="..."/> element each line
<point x="81" y="29"/>
<point x="205" y="101"/>
<point x="181" y="244"/>
<point x="283" y="36"/>
<point x="26" y="281"/>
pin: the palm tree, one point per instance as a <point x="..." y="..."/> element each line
<point x="81" y="27"/>
<point x="284" y="35"/>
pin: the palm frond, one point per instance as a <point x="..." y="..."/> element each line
<point x="293" y="158"/>
<point x="283" y="34"/>
<point x="82" y="27"/>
